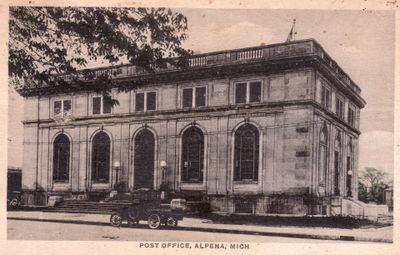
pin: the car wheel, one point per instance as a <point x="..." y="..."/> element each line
<point x="154" y="221"/>
<point x="171" y="222"/>
<point x="116" y="220"/>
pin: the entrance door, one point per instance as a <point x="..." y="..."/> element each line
<point x="144" y="160"/>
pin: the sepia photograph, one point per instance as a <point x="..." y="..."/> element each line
<point x="200" y="128"/>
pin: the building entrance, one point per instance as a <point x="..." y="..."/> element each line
<point x="144" y="160"/>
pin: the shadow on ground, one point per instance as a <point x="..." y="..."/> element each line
<point x="287" y="221"/>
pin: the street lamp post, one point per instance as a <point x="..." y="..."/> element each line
<point x="163" y="186"/>
<point x="117" y="166"/>
<point x="163" y="165"/>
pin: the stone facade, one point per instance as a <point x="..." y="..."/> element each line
<point x="296" y="100"/>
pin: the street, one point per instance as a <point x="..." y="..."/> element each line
<point x="36" y="230"/>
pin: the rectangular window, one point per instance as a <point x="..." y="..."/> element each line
<point x="101" y="104"/>
<point x="325" y="97"/>
<point x="194" y="97"/>
<point x="66" y="108"/>
<point x="62" y="108"/>
<point x="151" y="101"/>
<point x="200" y="96"/>
<point x="146" y="101"/>
<point x="107" y="104"/>
<point x="96" y="105"/>
<point x="339" y="108"/>
<point x="328" y="99"/>
<point x="248" y="92"/>
<point x="139" y="102"/>
<point x="241" y="89"/>
<point x="351" y="117"/>
<point x="255" y="92"/>
<point x="187" y="98"/>
<point x="57" y="108"/>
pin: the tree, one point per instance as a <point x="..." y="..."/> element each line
<point x="372" y="185"/>
<point x="362" y="192"/>
<point x="48" y="41"/>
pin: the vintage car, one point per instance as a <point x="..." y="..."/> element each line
<point x="149" y="206"/>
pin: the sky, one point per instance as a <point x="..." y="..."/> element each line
<point x="361" y="42"/>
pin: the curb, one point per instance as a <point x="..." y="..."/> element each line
<point x="218" y="230"/>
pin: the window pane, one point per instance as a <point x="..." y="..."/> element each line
<point x="255" y="91"/>
<point x="96" y="105"/>
<point x="67" y="108"/>
<point x="57" y="108"/>
<point x="107" y="104"/>
<point x="327" y="99"/>
<point x="339" y="108"/>
<point x="323" y="95"/>
<point x="201" y="96"/>
<point x="350" y="117"/>
<point x="246" y="153"/>
<point x="192" y="155"/>
<point x="240" y="93"/>
<point x="187" y="97"/>
<point x="139" y="105"/>
<point x="151" y="101"/>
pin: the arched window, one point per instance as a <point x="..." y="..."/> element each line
<point x="61" y="157"/>
<point x="349" y="169"/>
<point x="323" y="155"/>
<point x="192" y="155"/>
<point x="246" y="153"/>
<point x="337" y="162"/>
<point x="144" y="160"/>
<point x="101" y="157"/>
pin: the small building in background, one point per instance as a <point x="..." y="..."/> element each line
<point x="388" y="197"/>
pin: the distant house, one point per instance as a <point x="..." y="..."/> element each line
<point x="388" y="196"/>
<point x="268" y="129"/>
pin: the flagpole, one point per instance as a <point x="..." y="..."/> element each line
<point x="292" y="33"/>
<point x="294" y="30"/>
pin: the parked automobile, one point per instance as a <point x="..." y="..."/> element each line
<point x="147" y="205"/>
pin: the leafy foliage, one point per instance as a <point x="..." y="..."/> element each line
<point x="46" y="41"/>
<point x="362" y="192"/>
<point x="371" y="185"/>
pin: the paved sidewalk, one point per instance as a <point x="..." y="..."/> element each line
<point x="384" y="234"/>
